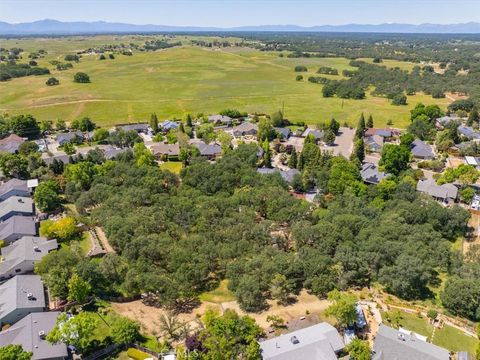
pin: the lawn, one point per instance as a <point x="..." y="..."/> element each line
<point x="85" y="243"/>
<point x="172" y="166"/>
<point x="176" y="81"/>
<point x="455" y="340"/>
<point x="218" y="295"/>
<point x="408" y="321"/>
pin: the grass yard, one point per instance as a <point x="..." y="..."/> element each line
<point x="183" y="80"/>
<point x="408" y="321"/>
<point x="218" y="295"/>
<point x="172" y="166"/>
<point x="85" y="243"/>
<point x="455" y="340"/>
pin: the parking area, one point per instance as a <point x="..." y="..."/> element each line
<point x="343" y="143"/>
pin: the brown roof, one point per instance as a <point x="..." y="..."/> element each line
<point x="12" y="138"/>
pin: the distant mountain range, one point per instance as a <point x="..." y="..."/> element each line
<point x="49" y="26"/>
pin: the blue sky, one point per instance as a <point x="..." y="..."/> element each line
<point x="228" y="13"/>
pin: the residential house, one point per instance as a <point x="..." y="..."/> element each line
<point x="16" y="227"/>
<point x="446" y="193"/>
<point x="317" y="134"/>
<point x="284" y="132"/>
<point x="447" y="119"/>
<point x="71" y="136"/>
<point x="374" y="143"/>
<point x="370" y="173"/>
<point x="245" y="128"/>
<point x="11" y="143"/>
<point x="139" y="128"/>
<point x="404" y="345"/>
<point x="163" y="149"/>
<point x="31" y="332"/>
<point x="168" y="125"/>
<point x="469" y="132"/>
<point x="220" y="119"/>
<point x="20" y="296"/>
<point x="16" y="205"/>
<point x="318" y="342"/>
<point x="14" y="187"/>
<point x="209" y="151"/>
<point x="287" y="176"/>
<point x="422" y="150"/>
<point x="65" y="159"/>
<point x="21" y="256"/>
<point x="384" y="133"/>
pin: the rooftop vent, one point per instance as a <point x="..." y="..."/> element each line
<point x="30" y="296"/>
<point x="294" y="340"/>
<point x="41" y="334"/>
<point x="401" y="337"/>
<point x="20" y="200"/>
<point x="36" y="249"/>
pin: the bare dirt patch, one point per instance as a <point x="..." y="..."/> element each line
<point x="148" y="316"/>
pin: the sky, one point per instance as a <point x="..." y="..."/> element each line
<point x="228" y="13"/>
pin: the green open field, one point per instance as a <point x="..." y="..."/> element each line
<point x="184" y="80"/>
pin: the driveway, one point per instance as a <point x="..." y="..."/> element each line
<point x="343" y="143"/>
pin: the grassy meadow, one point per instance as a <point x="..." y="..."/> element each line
<point x="183" y="80"/>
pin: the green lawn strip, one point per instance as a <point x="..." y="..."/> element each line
<point x="218" y="295"/>
<point x="455" y="340"/>
<point x="172" y="166"/>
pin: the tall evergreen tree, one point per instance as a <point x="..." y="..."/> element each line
<point x="267" y="157"/>
<point x="292" y="162"/>
<point x="300" y="162"/>
<point x="360" y="127"/>
<point x="370" y="122"/>
<point x="154" y="122"/>
<point x="358" y="150"/>
<point x="189" y="121"/>
<point x="473" y="118"/>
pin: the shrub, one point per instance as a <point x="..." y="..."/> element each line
<point x="300" y="68"/>
<point x="52" y="81"/>
<point x="81" y="77"/>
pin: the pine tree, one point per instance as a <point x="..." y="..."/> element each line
<point x="358" y="150"/>
<point x="473" y="117"/>
<point x="360" y="127"/>
<point x="267" y="157"/>
<point x="292" y="162"/>
<point x="300" y="162"/>
<point x="189" y="121"/>
<point x="154" y="122"/>
<point x="370" y="122"/>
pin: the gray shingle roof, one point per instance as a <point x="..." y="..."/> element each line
<point x="422" y="150"/>
<point x="18" y="226"/>
<point x="14" y="185"/>
<point x="165" y="149"/>
<point x="320" y="342"/>
<point x="469" y="132"/>
<point x="445" y="191"/>
<point x="390" y="344"/>
<point x="220" y="119"/>
<point x="21" y="292"/>
<point x="136" y="127"/>
<point x="26" y="333"/>
<point x="286" y="175"/>
<point x="245" y="128"/>
<point x="370" y="173"/>
<point x="69" y="136"/>
<point x="11" y="143"/>
<point x="285" y="132"/>
<point x="207" y="149"/>
<point x="28" y="248"/>
<point x="318" y="134"/>
<point x="14" y="205"/>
